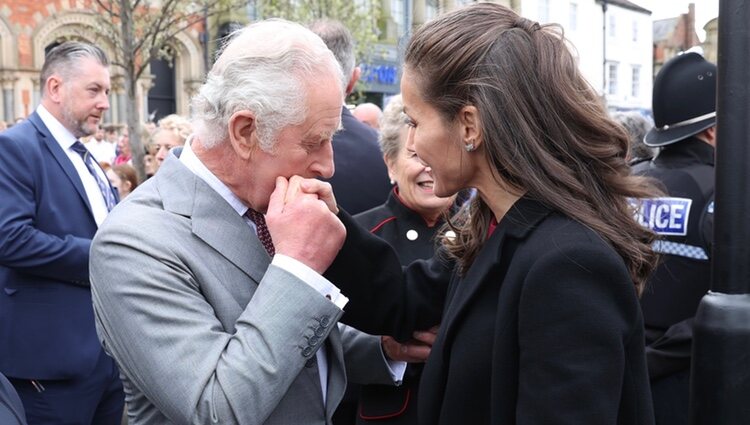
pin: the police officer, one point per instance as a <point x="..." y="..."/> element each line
<point x="684" y="107"/>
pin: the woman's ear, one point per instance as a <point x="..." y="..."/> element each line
<point x="389" y="167"/>
<point x="242" y="133"/>
<point x="470" y="127"/>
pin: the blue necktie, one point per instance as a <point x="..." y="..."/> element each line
<point x="109" y="197"/>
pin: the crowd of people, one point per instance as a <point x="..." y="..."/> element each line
<point x="491" y="247"/>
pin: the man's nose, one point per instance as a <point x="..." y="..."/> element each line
<point x="103" y="102"/>
<point x="323" y="165"/>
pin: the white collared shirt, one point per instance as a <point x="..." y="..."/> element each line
<point x="301" y="271"/>
<point x="66" y="139"/>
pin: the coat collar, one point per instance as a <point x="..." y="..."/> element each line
<point x="406" y="214"/>
<point x="213" y="220"/>
<point x="523" y="217"/>
<point x="494" y="257"/>
<point x="689" y="151"/>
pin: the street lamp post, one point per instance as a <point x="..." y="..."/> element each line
<point x="720" y="375"/>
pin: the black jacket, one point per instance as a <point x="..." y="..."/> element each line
<point x="544" y="328"/>
<point x="360" y="180"/>
<point x="411" y="238"/>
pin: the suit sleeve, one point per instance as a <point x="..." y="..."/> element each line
<point x="578" y="311"/>
<point x="155" y="319"/>
<point x="364" y="359"/>
<point x="384" y="298"/>
<point x="23" y="246"/>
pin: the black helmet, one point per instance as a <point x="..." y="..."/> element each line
<point x="684" y="100"/>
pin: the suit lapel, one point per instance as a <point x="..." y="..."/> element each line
<point x="62" y="159"/>
<point x="213" y="220"/>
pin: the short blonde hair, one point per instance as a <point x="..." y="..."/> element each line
<point x="175" y="124"/>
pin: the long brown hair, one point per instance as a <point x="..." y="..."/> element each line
<point x="544" y="129"/>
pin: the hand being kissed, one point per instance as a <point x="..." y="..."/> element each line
<point x="302" y="220"/>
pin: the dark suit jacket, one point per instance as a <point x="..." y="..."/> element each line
<point x="544" y="328"/>
<point x="360" y="181"/>
<point x="46" y="225"/>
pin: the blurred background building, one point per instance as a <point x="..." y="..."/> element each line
<point x="618" y="47"/>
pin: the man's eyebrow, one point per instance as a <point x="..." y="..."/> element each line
<point x="329" y="134"/>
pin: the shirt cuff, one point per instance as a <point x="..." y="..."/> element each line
<point x="312" y="278"/>
<point x="397" y="368"/>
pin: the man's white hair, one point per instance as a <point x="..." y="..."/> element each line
<point x="265" y="68"/>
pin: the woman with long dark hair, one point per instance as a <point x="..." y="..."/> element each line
<point x="537" y="291"/>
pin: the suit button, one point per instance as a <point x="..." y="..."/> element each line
<point x="306" y="351"/>
<point x="314" y="340"/>
<point x="320" y="331"/>
<point x="310" y="363"/>
<point x="325" y="321"/>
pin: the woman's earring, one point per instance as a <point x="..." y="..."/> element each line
<point x="470" y="146"/>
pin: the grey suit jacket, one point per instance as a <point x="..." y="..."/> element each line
<point x="203" y="328"/>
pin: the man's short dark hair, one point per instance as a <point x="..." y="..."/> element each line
<point x="339" y="40"/>
<point x="61" y="59"/>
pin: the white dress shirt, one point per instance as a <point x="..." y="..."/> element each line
<point x="66" y="139"/>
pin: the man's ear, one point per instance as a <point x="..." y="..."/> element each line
<point x="53" y="88"/>
<point x="353" y="80"/>
<point x="243" y="133"/>
<point x="470" y="126"/>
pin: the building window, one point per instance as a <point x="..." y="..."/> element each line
<point x="635" y="30"/>
<point x="398" y="13"/>
<point x="543" y="11"/>
<point x="612" y="26"/>
<point x="573" y="24"/>
<point x="612" y="78"/>
<point x="431" y="9"/>
<point x="636" y="82"/>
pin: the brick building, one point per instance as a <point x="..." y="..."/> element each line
<point x="674" y="35"/>
<point x="28" y="27"/>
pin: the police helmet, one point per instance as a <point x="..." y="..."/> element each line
<point x="684" y="99"/>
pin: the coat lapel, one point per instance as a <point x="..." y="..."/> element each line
<point x="213" y="220"/>
<point x="492" y="261"/>
<point x="62" y="159"/>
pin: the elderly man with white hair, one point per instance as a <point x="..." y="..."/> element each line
<point x="211" y="317"/>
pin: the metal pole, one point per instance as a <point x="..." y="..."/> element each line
<point x="720" y="375"/>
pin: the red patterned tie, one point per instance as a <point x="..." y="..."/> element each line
<point x="262" y="229"/>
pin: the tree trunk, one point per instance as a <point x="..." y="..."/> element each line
<point x="131" y="110"/>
